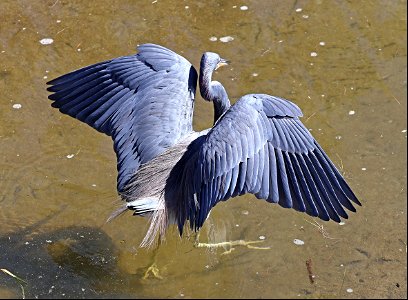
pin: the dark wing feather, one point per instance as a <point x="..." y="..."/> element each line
<point x="143" y="101"/>
<point x="260" y="146"/>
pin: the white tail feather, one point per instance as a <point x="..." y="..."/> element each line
<point x="158" y="224"/>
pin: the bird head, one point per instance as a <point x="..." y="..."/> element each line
<point x="211" y="61"/>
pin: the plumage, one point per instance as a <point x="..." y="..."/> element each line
<point x="166" y="170"/>
<point x="294" y="177"/>
<point x="117" y="96"/>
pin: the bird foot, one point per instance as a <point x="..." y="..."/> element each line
<point x="231" y="244"/>
<point x="154" y="271"/>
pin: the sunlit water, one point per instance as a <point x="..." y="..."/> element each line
<point x="344" y="63"/>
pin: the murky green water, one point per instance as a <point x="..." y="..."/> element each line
<point x="332" y="58"/>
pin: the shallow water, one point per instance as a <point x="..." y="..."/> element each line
<point x="344" y="63"/>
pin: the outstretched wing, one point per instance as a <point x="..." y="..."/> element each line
<point x="144" y="101"/>
<point x="259" y="146"/>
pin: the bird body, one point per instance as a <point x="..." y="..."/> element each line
<point x="150" y="191"/>
<point x="176" y="175"/>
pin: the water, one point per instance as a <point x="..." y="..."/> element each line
<point x="58" y="176"/>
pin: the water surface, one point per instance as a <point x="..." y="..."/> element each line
<point x="344" y="63"/>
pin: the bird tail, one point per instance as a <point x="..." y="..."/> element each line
<point x="117" y="213"/>
<point x="158" y="224"/>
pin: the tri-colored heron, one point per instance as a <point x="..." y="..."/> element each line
<point x="173" y="174"/>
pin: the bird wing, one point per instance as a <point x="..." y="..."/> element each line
<point x="259" y="146"/>
<point x="143" y="101"/>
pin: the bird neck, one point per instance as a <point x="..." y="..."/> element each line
<point x="215" y="92"/>
<point x="220" y="107"/>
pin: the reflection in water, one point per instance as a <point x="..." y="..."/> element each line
<point x="74" y="262"/>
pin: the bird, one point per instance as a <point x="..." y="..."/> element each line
<point x="175" y="175"/>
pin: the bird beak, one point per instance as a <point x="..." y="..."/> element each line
<point x="222" y="62"/>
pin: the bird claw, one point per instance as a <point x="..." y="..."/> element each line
<point x="154" y="270"/>
<point x="231" y="244"/>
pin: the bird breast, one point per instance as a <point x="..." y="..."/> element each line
<point x="150" y="179"/>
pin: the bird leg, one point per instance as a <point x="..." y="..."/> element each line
<point x="230" y="244"/>
<point x="153" y="269"/>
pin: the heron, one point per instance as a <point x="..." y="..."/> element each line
<point x="175" y="175"/>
